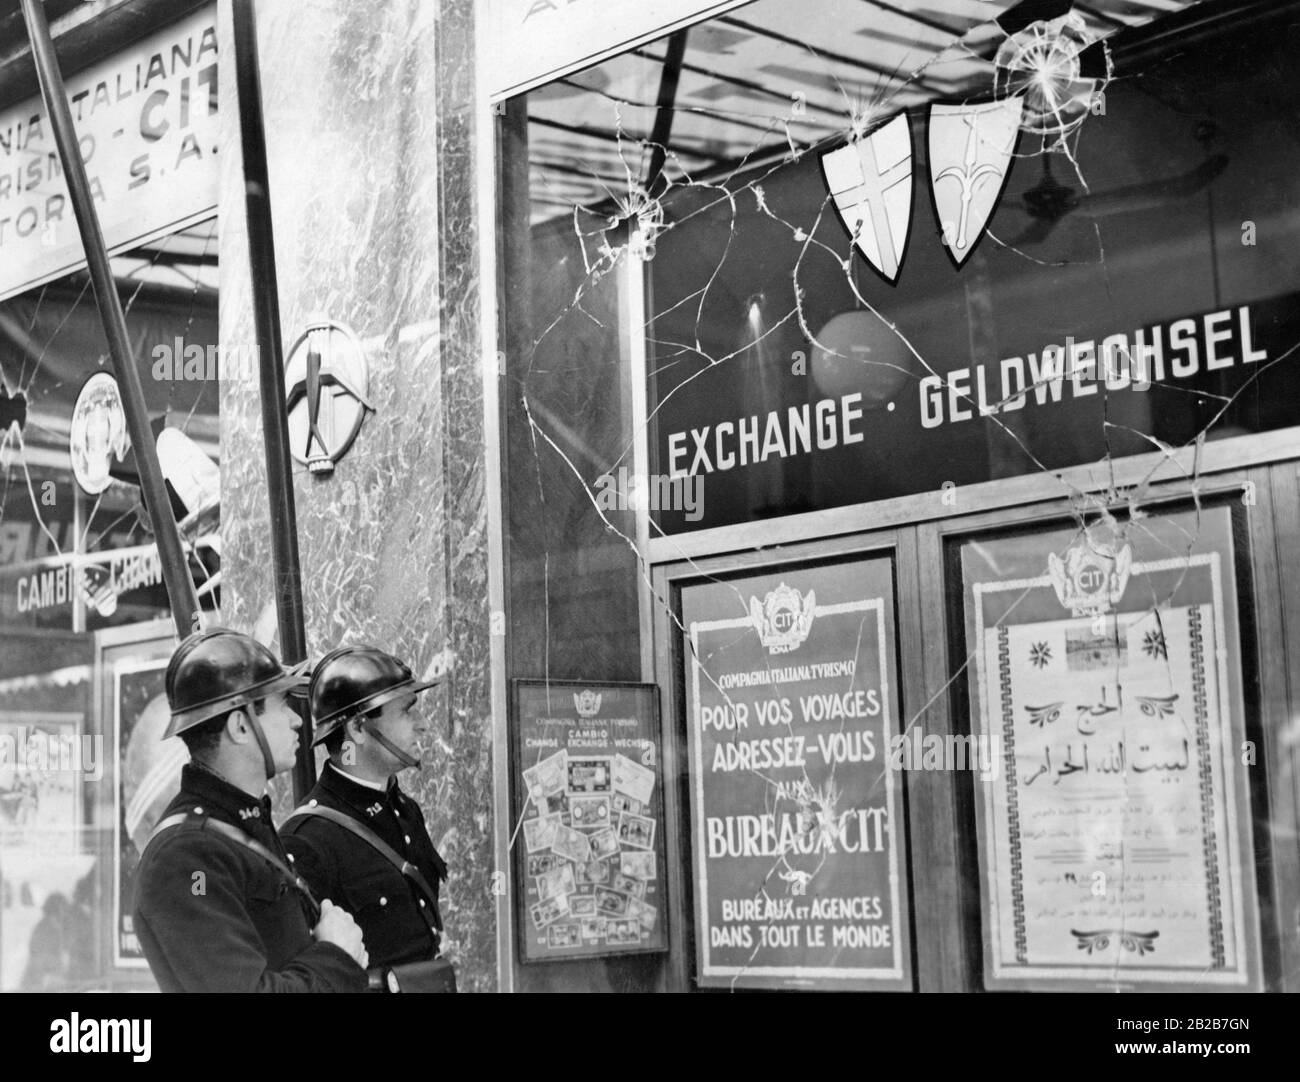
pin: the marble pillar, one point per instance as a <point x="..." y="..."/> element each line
<point x="368" y="112"/>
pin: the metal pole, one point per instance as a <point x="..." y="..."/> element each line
<point x="266" y="320"/>
<point x="175" y="568"/>
<point x="669" y="76"/>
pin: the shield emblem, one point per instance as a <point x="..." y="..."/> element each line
<point x="970" y="153"/>
<point x="870" y="181"/>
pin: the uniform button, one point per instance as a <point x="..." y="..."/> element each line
<point x="408" y="838"/>
<point x="311" y="803"/>
<point x="198" y="811"/>
<point x="422" y="903"/>
<point x="289" y="855"/>
<point x="383" y="901"/>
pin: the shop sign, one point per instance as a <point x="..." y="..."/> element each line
<point x="1046" y="400"/>
<point x="99" y="578"/>
<point x="1115" y="842"/>
<point x="146" y="121"/>
<point x="796" y="808"/>
<point x="590" y="875"/>
<point x="534" y="41"/>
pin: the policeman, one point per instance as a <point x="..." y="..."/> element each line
<point x="218" y="908"/>
<point x="359" y="838"/>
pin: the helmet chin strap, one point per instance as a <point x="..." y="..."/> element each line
<point x="402" y="757"/>
<point x="268" y="760"/>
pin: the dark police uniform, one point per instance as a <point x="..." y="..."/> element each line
<point x="242" y="927"/>
<point x="351" y="873"/>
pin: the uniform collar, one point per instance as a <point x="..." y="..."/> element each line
<point x="378" y="787"/>
<point x="217" y="797"/>
<point x="364" y="797"/>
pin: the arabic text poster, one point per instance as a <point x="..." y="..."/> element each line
<point x="1114" y="842"/>
<point x="797" y="835"/>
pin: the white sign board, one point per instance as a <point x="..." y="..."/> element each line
<point x="1116" y="841"/>
<point x="147" y="123"/>
<point x="534" y="41"/>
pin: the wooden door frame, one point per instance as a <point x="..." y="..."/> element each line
<point x="1270" y="495"/>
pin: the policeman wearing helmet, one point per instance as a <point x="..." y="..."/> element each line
<point x="360" y="839"/>
<point x="218" y="907"/>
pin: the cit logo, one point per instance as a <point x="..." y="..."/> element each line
<point x="783" y="619"/>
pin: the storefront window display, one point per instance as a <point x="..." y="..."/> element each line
<point x="84" y="626"/>
<point x="818" y="276"/>
<point x="80" y="567"/>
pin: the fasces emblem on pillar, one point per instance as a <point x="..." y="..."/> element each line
<point x="326" y="379"/>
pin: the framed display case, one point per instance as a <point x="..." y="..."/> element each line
<point x="590" y="873"/>
<point x="1115" y="843"/>
<point x="792" y="737"/>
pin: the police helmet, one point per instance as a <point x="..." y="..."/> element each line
<point x="219" y="670"/>
<point x="354" y="680"/>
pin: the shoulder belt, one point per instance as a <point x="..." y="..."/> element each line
<point x="413" y="875"/>
<point x="234" y="834"/>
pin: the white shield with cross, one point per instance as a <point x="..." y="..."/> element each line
<point x="870" y="181"/>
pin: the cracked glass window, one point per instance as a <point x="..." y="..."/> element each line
<point x="81" y="785"/>
<point x="1108" y="681"/>
<point x="891" y="262"/>
<point x="799" y="856"/>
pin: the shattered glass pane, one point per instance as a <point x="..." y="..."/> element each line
<point x="76" y="558"/>
<point x="1110" y="680"/>
<point x="875" y="258"/>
